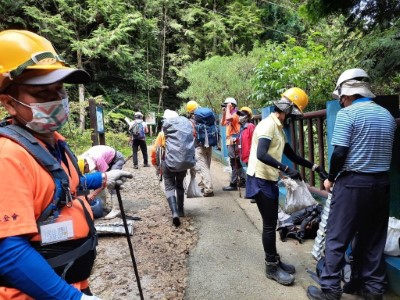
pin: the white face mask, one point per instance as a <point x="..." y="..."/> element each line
<point x="48" y="116"/>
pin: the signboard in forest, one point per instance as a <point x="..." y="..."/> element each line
<point x="151" y="118"/>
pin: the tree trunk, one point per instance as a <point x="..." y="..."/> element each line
<point x="214" y="46"/>
<point x="81" y="95"/>
<point x="164" y="33"/>
<point x="148" y="74"/>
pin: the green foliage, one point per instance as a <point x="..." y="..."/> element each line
<point x="214" y="79"/>
<point x="212" y="48"/>
<point x="359" y="13"/>
<point x="287" y="65"/>
<point x="3" y="113"/>
<point x="381" y="58"/>
<point x="11" y="14"/>
<point x="80" y="141"/>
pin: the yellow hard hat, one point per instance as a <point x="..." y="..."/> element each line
<point x="297" y="96"/>
<point x="191" y="106"/>
<point x="22" y="51"/>
<point x="246" y="109"/>
<point x="81" y="164"/>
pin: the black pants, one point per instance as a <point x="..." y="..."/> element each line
<point x="143" y="147"/>
<point x="237" y="169"/>
<point x="268" y="208"/>
<point x="360" y="204"/>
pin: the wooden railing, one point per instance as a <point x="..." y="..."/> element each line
<point x="308" y="139"/>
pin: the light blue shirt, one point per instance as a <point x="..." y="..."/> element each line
<point x="367" y="129"/>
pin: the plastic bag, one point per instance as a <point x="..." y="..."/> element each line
<point x="227" y="168"/>
<point x="392" y="246"/>
<point x="193" y="190"/>
<point x="282" y="217"/>
<point x="297" y="196"/>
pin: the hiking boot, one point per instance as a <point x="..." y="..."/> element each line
<point x="146" y="165"/>
<point x="174" y="210"/>
<point x="210" y="194"/>
<point x="315" y="293"/>
<point x="353" y="287"/>
<point x="275" y="272"/>
<point x="242" y="183"/>
<point x="285" y="267"/>
<point x="135" y="167"/>
<point x="253" y="201"/>
<point x="180" y="200"/>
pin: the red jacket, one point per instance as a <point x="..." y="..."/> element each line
<point x="246" y="134"/>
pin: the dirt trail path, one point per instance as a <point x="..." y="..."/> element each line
<point x="161" y="250"/>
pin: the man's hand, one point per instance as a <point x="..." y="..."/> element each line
<point x="294" y="174"/>
<point x="117" y="178"/>
<point x="328" y="185"/>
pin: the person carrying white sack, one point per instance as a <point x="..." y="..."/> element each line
<point x="269" y="143"/>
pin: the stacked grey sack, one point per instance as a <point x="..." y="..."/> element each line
<point x="319" y="243"/>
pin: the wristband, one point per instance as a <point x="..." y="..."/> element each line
<point x="287" y="167"/>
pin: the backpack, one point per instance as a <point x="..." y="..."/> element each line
<point x="160" y="156"/>
<point x="302" y="224"/>
<point x="63" y="255"/>
<point x="137" y="131"/>
<point x="179" y="144"/>
<point x="206" y="131"/>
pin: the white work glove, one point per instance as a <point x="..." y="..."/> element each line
<point x="117" y="178"/>
<point x="86" y="297"/>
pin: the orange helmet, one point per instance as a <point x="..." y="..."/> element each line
<point x="22" y="50"/>
<point x="297" y="96"/>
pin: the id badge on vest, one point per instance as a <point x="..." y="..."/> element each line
<point x="54" y="231"/>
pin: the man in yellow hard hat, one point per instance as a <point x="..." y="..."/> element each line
<point x="203" y="121"/>
<point x="42" y="208"/>
<point x="102" y="158"/>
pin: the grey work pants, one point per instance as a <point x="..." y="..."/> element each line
<point x="202" y="168"/>
<point x="237" y="169"/>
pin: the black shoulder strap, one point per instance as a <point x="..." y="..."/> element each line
<point x="45" y="159"/>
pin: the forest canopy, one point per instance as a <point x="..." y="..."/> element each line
<point x="149" y="55"/>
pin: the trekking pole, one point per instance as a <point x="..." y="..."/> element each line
<point x="121" y="207"/>
<point x="236" y="168"/>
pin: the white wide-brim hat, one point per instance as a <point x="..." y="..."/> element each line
<point x="353" y="87"/>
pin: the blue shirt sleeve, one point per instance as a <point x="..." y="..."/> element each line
<point x="26" y="270"/>
<point x="92" y="181"/>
